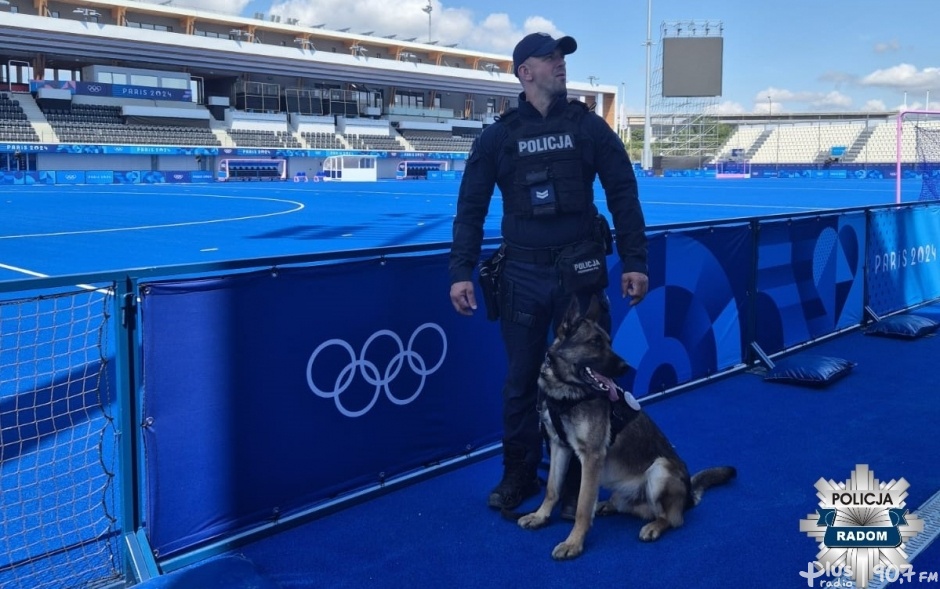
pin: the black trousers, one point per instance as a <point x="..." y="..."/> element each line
<point x="532" y="304"/>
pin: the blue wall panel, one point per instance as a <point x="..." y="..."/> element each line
<point x="810" y="279"/>
<point x="268" y="393"/>
<point x="690" y="324"/>
<point x="903" y="269"/>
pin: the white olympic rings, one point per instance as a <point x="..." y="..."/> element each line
<point x="370" y="371"/>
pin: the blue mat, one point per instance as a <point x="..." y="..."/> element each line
<point x="782" y="439"/>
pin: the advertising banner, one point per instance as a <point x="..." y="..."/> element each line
<point x="810" y="278"/>
<point x="272" y="391"/>
<point x="690" y="324"/>
<point x="903" y="269"/>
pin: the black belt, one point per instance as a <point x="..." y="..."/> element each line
<point x="544" y="256"/>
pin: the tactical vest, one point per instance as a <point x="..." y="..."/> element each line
<point x="548" y="160"/>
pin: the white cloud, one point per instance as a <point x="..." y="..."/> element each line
<point x="875" y="105"/>
<point x="727" y="107"/>
<point x="832" y="99"/>
<point x="888" y="47"/>
<point x="494" y="33"/>
<point x="904" y="77"/>
<point x="780" y="100"/>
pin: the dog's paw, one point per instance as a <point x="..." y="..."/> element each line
<point x="606" y="508"/>
<point x="567" y="550"/>
<point x="652" y="531"/>
<point x="532" y="521"/>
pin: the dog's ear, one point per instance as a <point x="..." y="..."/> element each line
<point x="571" y="316"/>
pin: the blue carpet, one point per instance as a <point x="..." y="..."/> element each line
<point x="782" y="439"/>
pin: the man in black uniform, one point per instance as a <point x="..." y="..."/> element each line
<point x="544" y="156"/>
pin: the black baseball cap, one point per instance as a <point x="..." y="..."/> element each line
<point x="539" y="45"/>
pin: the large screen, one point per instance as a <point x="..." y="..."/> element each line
<point x="692" y="66"/>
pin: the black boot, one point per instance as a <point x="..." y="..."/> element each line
<point x="519" y="480"/>
<point x="570" y="489"/>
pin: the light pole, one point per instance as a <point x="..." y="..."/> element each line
<point x="646" y="160"/>
<point x="623" y="112"/>
<point x="776" y="132"/>
<point x="428" y="9"/>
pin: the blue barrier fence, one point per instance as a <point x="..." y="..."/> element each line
<point x="227" y="374"/>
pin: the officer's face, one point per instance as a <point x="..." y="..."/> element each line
<point x="548" y="73"/>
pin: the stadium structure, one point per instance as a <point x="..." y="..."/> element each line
<point x="118" y="73"/>
<point x="136" y="91"/>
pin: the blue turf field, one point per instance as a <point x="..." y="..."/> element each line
<point x="51" y="231"/>
<point x="438" y="533"/>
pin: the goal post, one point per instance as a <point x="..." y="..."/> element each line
<point x="725" y="170"/>
<point x="918" y="144"/>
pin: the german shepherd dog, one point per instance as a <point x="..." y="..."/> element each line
<point x="620" y="448"/>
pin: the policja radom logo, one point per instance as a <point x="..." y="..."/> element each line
<point x="860" y="523"/>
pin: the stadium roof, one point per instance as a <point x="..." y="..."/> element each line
<point x="74" y="38"/>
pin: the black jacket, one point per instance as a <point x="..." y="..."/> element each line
<point x="490" y="164"/>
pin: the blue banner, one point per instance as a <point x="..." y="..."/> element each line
<point x="149" y="93"/>
<point x="21" y="178"/>
<point x="701" y="277"/>
<point x="810" y="278"/>
<point x="177" y="177"/>
<point x="840" y="171"/>
<point x="114" y="90"/>
<point x="27" y="148"/>
<point x="281" y="377"/>
<point x="99" y="177"/>
<point x="91" y="148"/>
<point x="903" y="269"/>
<point x="70" y="177"/>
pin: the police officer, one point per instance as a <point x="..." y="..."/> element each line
<point x="544" y="157"/>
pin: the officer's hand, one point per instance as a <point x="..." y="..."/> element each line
<point x="634" y="285"/>
<point x="463" y="298"/>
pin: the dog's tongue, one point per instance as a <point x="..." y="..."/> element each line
<point x="608" y="384"/>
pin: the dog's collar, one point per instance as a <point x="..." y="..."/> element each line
<point x="624" y="408"/>
<point x="605" y="386"/>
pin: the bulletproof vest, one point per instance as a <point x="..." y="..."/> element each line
<point x="548" y="159"/>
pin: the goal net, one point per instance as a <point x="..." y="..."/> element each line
<point x="918" y="152"/>
<point x="928" y="159"/>
<point x="731" y="169"/>
<point x="58" y="524"/>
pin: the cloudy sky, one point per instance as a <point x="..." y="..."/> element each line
<point x="793" y="56"/>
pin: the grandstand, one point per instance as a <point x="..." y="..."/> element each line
<point x="188" y="83"/>
<point x="90" y="88"/>
<point x="812" y="142"/>
<point x="867" y="138"/>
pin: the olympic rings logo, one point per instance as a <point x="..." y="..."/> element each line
<point x="94" y="89"/>
<point x="371" y="373"/>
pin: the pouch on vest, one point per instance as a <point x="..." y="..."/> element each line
<point x="541" y="192"/>
<point x="582" y="267"/>
<point x="490" y="272"/>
